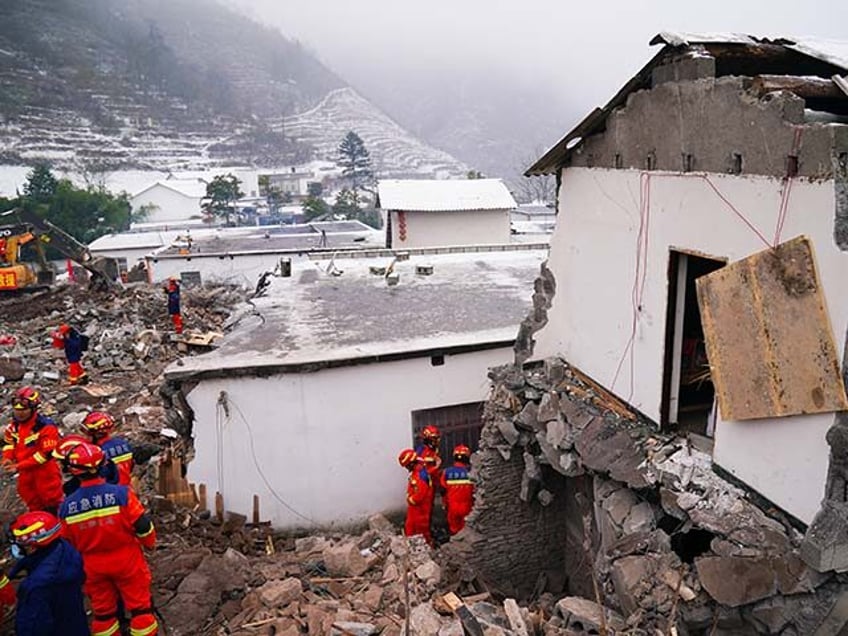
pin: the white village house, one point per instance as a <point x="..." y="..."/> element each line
<point x="171" y="200"/>
<point x="434" y="213"/>
<point x="325" y="378"/>
<point x="689" y="168"/>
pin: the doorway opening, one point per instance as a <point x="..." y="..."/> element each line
<point x="688" y="392"/>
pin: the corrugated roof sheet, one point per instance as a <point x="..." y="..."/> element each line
<point x="832" y="52"/>
<point x="421" y="195"/>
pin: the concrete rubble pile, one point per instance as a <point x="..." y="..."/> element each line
<point x="334" y="584"/>
<point x="671" y="546"/>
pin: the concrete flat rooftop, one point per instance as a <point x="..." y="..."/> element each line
<point x="315" y="317"/>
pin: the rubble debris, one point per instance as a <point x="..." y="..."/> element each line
<point x="664" y="542"/>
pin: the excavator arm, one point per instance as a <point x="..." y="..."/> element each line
<point x="104" y="271"/>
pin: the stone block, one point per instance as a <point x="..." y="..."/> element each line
<point x="825" y="546"/>
<point x="378" y="523"/>
<point x="508" y="430"/>
<point x="586" y="616"/>
<point x="548" y="407"/>
<point x="772" y="614"/>
<point x="348" y="628"/>
<point x="429" y="572"/>
<point x="558" y="433"/>
<point x="345" y="560"/>
<point x="528" y="416"/>
<point x="12" y="369"/>
<point x="619" y="504"/>
<point x="423" y="619"/>
<point x="279" y="593"/>
<point x="516" y="619"/>
<point x="640" y="519"/>
<point x="735" y="581"/>
<point x="633" y="578"/>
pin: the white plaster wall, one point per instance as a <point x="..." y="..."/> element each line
<point x="172" y="206"/>
<point x="440" y="229"/>
<point x="326" y="442"/>
<point x="594" y="256"/>
<point x="239" y="269"/>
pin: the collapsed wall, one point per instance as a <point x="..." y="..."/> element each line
<point x="577" y="494"/>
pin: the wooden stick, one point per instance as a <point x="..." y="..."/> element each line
<point x="407" y="629"/>
<point x="219" y="507"/>
<point x="202" y="497"/>
<point x="255" y="510"/>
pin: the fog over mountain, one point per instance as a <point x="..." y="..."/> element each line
<point x="435" y="89"/>
<point x="496" y="81"/>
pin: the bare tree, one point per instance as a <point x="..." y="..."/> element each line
<point x="536" y="189"/>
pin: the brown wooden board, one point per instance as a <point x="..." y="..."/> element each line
<point x="768" y="335"/>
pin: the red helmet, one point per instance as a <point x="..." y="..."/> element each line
<point x="98" y="423"/>
<point x="431" y="432"/>
<point x="407" y="457"/>
<point x="37" y="529"/>
<point x="84" y="459"/>
<point x="26" y="398"/>
<point x="66" y="444"/>
<point x="461" y="453"/>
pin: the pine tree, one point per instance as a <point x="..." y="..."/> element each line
<point x="356" y="164"/>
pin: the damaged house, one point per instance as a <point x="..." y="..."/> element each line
<point x="327" y="374"/>
<point x="676" y="412"/>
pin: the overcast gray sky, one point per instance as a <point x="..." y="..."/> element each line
<point x="585" y="50"/>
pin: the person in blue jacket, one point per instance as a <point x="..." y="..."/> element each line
<point x="50" y="600"/>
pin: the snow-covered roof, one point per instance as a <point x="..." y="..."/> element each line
<point x="828" y="50"/>
<point x="474" y="299"/>
<point x="281" y="238"/>
<point x="425" y="195"/>
<point x="243" y="239"/>
<point x="192" y="188"/>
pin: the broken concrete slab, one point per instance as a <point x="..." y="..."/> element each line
<point x="735" y="581"/>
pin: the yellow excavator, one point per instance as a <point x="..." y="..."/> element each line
<point x="29" y="231"/>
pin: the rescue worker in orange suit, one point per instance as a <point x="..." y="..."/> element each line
<point x="428" y="451"/>
<point x="419" y="495"/>
<point x="74" y="343"/>
<point x="173" y="291"/>
<point x="98" y="425"/>
<point x="109" y="526"/>
<point x="28" y="445"/>
<point x="458" y="488"/>
<point x="108" y="470"/>
<point x="50" y="601"/>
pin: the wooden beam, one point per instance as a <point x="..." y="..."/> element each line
<point x="806" y="86"/>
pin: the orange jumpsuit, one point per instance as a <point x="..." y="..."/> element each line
<point x="459" y="495"/>
<point x="29" y="445"/>
<point x="419" y="500"/>
<point x="109" y="526"/>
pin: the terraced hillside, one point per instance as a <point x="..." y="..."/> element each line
<point x="393" y="149"/>
<point x="175" y="84"/>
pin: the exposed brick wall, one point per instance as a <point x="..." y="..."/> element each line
<point x="510" y="543"/>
